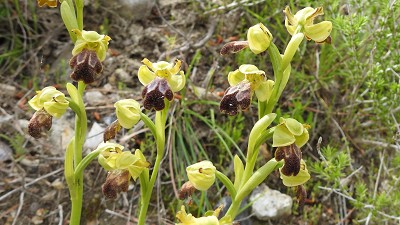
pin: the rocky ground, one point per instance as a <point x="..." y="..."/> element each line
<point x="32" y="185"/>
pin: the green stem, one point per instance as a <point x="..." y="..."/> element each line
<point x="86" y="160"/>
<point x="259" y="176"/>
<point x="160" y="141"/>
<point x="76" y="191"/>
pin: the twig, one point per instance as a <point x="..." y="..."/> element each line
<point x="235" y="4"/>
<point x="21" y="203"/>
<point x="60" y="214"/>
<point x="319" y="149"/>
<point x="196" y="45"/>
<point x="367" y="206"/>
<point x="379" y="144"/>
<point x="30" y="183"/>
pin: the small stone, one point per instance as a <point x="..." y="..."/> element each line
<point x="5" y="152"/>
<point x="61" y="134"/>
<point x="123" y="76"/>
<point x="270" y="204"/>
<point x="94" y="137"/>
<point x="94" y="98"/>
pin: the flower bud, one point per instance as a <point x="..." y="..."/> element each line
<point x="40" y="122"/>
<point x="52" y="100"/>
<point x="259" y="38"/>
<point x="201" y="175"/>
<point x="128" y="112"/>
<point x="86" y="66"/>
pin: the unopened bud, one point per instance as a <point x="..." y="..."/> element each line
<point x="201" y="175"/>
<point x="259" y="38"/>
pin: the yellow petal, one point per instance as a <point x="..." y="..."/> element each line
<point x="318" y="32"/>
<point x="145" y="75"/>
<point x="177" y="82"/>
<point x="125" y="159"/>
<point x="235" y="77"/>
<point x="264" y="90"/>
<point x="282" y="136"/>
<point x="302" y="139"/>
<point x="294" y="126"/>
<point x="91" y="36"/>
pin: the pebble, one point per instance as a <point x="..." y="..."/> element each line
<point x="270" y="204"/>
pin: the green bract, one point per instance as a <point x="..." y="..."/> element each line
<point x="304" y="19"/>
<point x="149" y="71"/>
<point x="91" y="40"/>
<point x="52" y="100"/>
<point x="302" y="177"/>
<point x="258" y="82"/>
<point x="201" y="175"/>
<point x="290" y="131"/>
<point x="259" y="38"/>
<point x="128" y="112"/>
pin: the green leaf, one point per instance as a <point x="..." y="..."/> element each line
<point x="238" y="168"/>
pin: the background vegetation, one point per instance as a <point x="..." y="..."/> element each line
<point x="349" y="92"/>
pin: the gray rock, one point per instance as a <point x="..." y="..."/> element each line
<point x="5" y="152"/>
<point x="61" y="133"/>
<point x="270" y="204"/>
<point x="94" y="137"/>
<point x="94" y="98"/>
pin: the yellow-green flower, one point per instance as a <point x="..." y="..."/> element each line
<point x="259" y="38"/>
<point x="161" y="80"/>
<point x="290" y="131"/>
<point x="303" y="21"/>
<point x="113" y="158"/>
<point x="189" y="219"/>
<point x="52" y="100"/>
<point x="244" y="82"/>
<point x="91" y="40"/>
<point x="172" y="73"/>
<point x="128" y="112"/>
<point x="201" y="175"/>
<point x="299" y="179"/>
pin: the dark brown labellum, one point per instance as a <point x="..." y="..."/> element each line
<point x="111" y="131"/>
<point x="187" y="190"/>
<point x="233" y="47"/>
<point x="236" y="98"/>
<point x="86" y="66"/>
<point x="154" y="94"/>
<point x="116" y="182"/>
<point x="39" y="124"/>
<point x="291" y="155"/>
